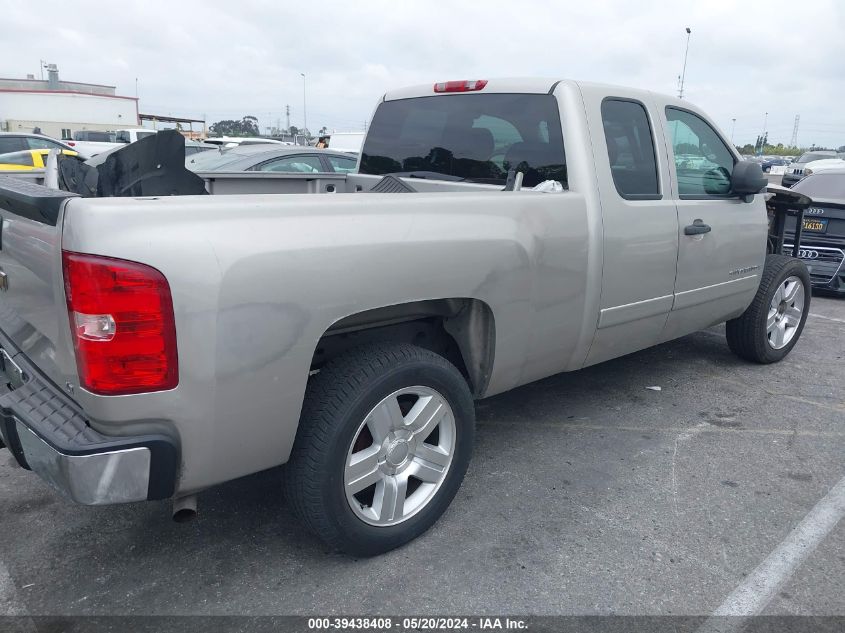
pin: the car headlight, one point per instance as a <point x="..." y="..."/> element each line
<point x="807" y="172"/>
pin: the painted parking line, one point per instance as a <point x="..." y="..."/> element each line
<point x="826" y="318"/>
<point x="565" y="425"/>
<point x="761" y="585"/>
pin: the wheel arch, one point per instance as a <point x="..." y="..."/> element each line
<point x="460" y="329"/>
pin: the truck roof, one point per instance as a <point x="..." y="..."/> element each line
<point x="525" y="85"/>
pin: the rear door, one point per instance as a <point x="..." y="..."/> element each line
<point x="722" y="239"/>
<point x="640" y="225"/>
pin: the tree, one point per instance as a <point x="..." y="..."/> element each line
<point x="293" y="130"/>
<point x="247" y="126"/>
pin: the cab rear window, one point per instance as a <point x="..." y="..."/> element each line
<point x="469" y="137"/>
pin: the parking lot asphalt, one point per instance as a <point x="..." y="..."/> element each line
<point x="588" y="493"/>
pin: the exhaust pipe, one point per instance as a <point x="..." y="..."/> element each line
<point x="185" y="509"/>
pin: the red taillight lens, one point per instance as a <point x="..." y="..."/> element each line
<point x="460" y="86"/>
<point x="121" y="320"/>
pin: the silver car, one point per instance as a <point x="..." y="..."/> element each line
<point x="273" y="158"/>
<point x="795" y="171"/>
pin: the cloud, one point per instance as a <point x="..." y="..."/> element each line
<point x="225" y="59"/>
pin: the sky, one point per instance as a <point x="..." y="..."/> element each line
<point x="219" y="60"/>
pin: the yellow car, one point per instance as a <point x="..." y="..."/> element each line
<point x="28" y="159"/>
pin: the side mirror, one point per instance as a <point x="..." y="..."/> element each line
<point x="747" y="179"/>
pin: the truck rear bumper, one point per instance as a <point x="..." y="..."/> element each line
<point x="48" y="434"/>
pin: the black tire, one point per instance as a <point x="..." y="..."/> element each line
<point x="337" y="400"/>
<point x="747" y="335"/>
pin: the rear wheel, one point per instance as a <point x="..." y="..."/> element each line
<point x="768" y="330"/>
<point x="384" y="442"/>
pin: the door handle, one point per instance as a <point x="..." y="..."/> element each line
<point x="698" y="227"/>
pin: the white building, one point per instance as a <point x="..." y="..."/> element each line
<point x="60" y="108"/>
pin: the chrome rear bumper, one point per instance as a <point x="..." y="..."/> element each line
<point x="95" y="479"/>
<point x="49" y="434"/>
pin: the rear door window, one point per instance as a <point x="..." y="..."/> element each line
<point x="342" y="164"/>
<point x="472" y="137"/>
<point x="11" y="144"/>
<point x="630" y="149"/>
<point x="294" y="164"/>
<point x="17" y="158"/>
<point x="43" y="143"/>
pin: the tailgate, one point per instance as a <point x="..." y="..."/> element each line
<point x="33" y="315"/>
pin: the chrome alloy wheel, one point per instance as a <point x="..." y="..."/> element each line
<point x="785" y="312"/>
<point x="400" y="456"/>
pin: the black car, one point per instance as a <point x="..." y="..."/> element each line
<point x="823" y="234"/>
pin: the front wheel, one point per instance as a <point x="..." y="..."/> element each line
<point x="384" y="441"/>
<point x="768" y="330"/>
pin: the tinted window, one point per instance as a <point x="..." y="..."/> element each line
<point x="295" y="164"/>
<point x="42" y="143"/>
<point x="342" y="164"/>
<point x="141" y="135"/>
<point x="17" y="158"/>
<point x="94" y="136"/>
<point x="11" y="144"/>
<point x="475" y="137"/>
<point x="811" y="156"/>
<point x="826" y="186"/>
<point x="630" y="149"/>
<point x="702" y="160"/>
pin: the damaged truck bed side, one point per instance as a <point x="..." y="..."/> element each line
<point x="495" y="233"/>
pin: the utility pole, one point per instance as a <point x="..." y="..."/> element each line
<point x="684" y="71"/>
<point x="733" y="127"/>
<point x="287" y="118"/>
<point x="793" y="142"/>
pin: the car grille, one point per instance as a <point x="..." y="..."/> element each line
<point x="823" y="262"/>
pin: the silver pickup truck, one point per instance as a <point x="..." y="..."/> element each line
<point x="495" y="233"/>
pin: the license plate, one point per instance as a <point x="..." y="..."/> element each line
<point x="815" y="225"/>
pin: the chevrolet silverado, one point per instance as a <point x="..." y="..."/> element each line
<point x="494" y="233"/>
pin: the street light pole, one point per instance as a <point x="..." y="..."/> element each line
<point x="684" y="71"/>
<point x="733" y="127"/>
<point x="304" y="110"/>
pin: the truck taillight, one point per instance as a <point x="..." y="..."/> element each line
<point x="122" y="325"/>
<point x="468" y="85"/>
